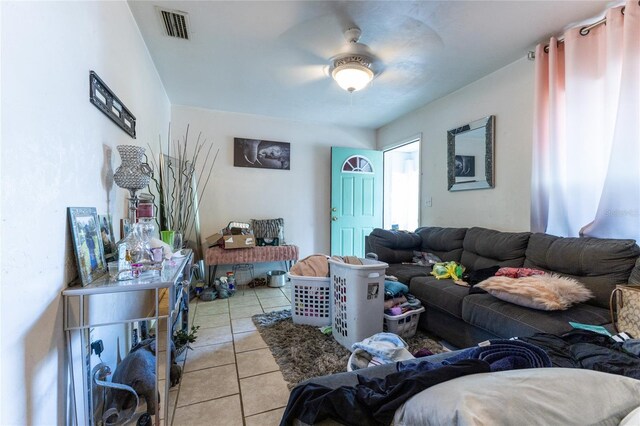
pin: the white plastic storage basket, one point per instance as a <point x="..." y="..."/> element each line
<point x="404" y="325"/>
<point x="358" y="300"/>
<point x="310" y="300"/>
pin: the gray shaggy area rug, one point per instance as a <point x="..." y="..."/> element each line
<point x="303" y="352"/>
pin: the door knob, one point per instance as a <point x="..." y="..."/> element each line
<point x="334" y="218"/>
<point x="334" y="209"/>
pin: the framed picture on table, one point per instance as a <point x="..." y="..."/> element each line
<point x="106" y="234"/>
<point x="87" y="243"/>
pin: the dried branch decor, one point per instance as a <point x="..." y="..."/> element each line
<point x="179" y="187"/>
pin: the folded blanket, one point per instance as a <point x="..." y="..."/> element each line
<point x="394" y="288"/>
<point x="499" y="353"/>
<point x="315" y="265"/>
<point x="390" y="303"/>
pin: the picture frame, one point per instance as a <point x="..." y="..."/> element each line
<point x="470" y="155"/>
<point x="108" y="240"/>
<point x="263" y="154"/>
<point x="125" y="227"/>
<point x="87" y="243"/>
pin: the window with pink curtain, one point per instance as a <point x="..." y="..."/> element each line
<point x="586" y="142"/>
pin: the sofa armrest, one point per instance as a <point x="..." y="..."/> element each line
<point x="392" y="246"/>
<point x="634" y="278"/>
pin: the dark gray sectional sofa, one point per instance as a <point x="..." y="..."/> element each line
<point x="465" y="319"/>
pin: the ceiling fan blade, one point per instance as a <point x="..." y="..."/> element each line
<point x="303" y="74"/>
<point x="320" y="36"/>
<point x="411" y="39"/>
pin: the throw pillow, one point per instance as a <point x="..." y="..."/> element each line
<point x="535" y="396"/>
<point x="547" y="292"/>
<point x="269" y="228"/>
<point x="518" y="272"/>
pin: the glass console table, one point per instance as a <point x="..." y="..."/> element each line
<point x="119" y="304"/>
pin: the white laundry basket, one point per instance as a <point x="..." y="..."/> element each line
<point x="310" y="300"/>
<point x="358" y="300"/>
<point x="404" y="325"/>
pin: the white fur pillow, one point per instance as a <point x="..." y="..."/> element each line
<point x="548" y="292"/>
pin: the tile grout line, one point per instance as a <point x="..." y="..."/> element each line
<point x="209" y="400"/>
<point x="235" y="357"/>
<point x="268" y="411"/>
<point x="184" y="364"/>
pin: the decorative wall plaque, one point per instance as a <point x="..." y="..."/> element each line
<point x="106" y="101"/>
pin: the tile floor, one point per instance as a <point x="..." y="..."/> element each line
<point x="230" y="377"/>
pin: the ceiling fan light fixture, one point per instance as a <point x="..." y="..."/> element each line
<point x="352" y="73"/>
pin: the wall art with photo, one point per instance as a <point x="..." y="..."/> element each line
<point x="465" y="165"/>
<point x="260" y="153"/>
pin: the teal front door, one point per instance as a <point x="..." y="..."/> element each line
<point x="356" y="198"/>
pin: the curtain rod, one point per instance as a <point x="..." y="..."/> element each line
<point x="583" y="31"/>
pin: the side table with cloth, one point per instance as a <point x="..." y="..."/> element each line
<point x="215" y="256"/>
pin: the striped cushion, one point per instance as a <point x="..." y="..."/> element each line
<point x="269" y="228"/>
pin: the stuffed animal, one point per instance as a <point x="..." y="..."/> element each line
<point x="138" y="370"/>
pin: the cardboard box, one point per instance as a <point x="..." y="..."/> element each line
<point x="214" y="239"/>
<point x="239" y="241"/>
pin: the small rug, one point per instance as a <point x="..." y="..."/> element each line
<point x="303" y="352"/>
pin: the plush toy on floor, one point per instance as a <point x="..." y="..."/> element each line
<point x="138" y="370"/>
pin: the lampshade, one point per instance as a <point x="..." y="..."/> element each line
<point x="352" y="75"/>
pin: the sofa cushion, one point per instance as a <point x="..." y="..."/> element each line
<point x="507" y="320"/>
<point x="548" y="292"/>
<point x="446" y="243"/>
<point x="405" y="273"/>
<point x="396" y="239"/>
<point x="524" y="397"/>
<point x="443" y="294"/>
<point x="393" y="246"/>
<point x="598" y="263"/>
<point x="483" y="248"/>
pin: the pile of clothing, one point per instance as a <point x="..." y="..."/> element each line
<point x="397" y="299"/>
<point x="381" y="348"/>
<point x="373" y="401"/>
<point x="317" y="265"/>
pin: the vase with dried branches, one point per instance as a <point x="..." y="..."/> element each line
<point x="182" y="171"/>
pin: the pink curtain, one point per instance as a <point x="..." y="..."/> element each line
<point x="586" y="142"/>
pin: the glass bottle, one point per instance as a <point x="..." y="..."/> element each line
<point x="134" y="248"/>
<point x="140" y="249"/>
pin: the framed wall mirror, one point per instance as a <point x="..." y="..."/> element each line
<point x="470" y="155"/>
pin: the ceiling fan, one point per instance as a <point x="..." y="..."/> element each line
<point x="395" y="51"/>
<point x="355" y="67"/>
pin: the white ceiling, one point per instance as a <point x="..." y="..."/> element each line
<point x="271" y="57"/>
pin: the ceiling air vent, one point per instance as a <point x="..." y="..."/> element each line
<point x="175" y="23"/>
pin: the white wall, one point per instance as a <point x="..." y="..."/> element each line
<point x="53" y="156"/>
<point x="507" y="94"/>
<point x="300" y="195"/>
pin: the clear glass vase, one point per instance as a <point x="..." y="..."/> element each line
<point x="137" y="242"/>
<point x="143" y="230"/>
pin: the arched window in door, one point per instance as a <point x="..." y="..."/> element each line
<point x="357" y="164"/>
